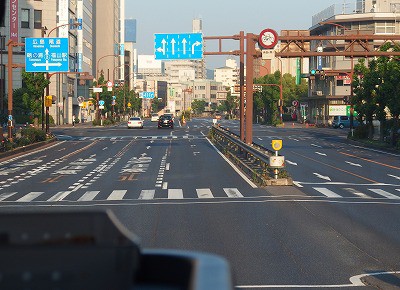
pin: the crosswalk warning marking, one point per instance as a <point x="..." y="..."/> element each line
<point x="117" y="195"/>
<point x="59" y="196"/>
<point x="204" y="193"/>
<point x="232" y="192"/>
<point x="327" y="192"/>
<point x="356" y="192"/>
<point x="175" y="194"/>
<point x="6" y="195"/>
<point x="384" y="193"/>
<point x="147" y="194"/>
<point x="89" y="195"/>
<point x="29" y="197"/>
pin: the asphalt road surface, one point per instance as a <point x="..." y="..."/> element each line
<point x="174" y="190"/>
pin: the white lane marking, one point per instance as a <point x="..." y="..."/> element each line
<point x="167" y="166"/>
<point x="232" y="192"/>
<point x="165" y="185"/>
<point x="297" y="183"/>
<point x="291" y="163"/>
<point x="327" y="192"/>
<point x="353" y="164"/>
<point x="322" y="154"/>
<point x="245" y="178"/>
<point x="394" y="176"/>
<point x="356" y="192"/>
<point x="147" y="194"/>
<point x="6" y="195"/>
<point x="384" y="193"/>
<point x="315" y="145"/>
<point x="59" y="196"/>
<point x="88" y="196"/>
<point x="204" y="193"/>
<point x="175" y="194"/>
<point x="105" y="148"/>
<point x="29" y="197"/>
<point x="322" y="176"/>
<point x="117" y="195"/>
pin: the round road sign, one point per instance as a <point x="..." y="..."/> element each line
<point x="268" y="38"/>
<point x="110" y="84"/>
<point x="277" y="145"/>
<point x="295" y="103"/>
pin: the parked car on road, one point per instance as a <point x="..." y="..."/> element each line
<point x="343" y="122"/>
<point x="135" y="122"/>
<point x="166" y="121"/>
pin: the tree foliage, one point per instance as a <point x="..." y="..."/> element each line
<point x="198" y="106"/>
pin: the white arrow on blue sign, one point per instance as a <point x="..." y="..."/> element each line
<point x="101" y="103"/>
<point x="178" y="46"/>
<point x="46" y="55"/>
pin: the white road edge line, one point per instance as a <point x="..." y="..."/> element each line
<point x="245" y="178"/>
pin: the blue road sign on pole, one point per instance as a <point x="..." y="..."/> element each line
<point x="178" y="46"/>
<point x="147" y="95"/>
<point x="46" y="55"/>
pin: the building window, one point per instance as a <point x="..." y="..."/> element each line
<point x="23" y="41"/>
<point x="25" y="18"/>
<point x="385" y="27"/>
<point x="37" y="19"/>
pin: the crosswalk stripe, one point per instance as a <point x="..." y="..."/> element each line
<point x="327" y="192"/>
<point x="6" y="195"/>
<point x="29" y="197"/>
<point x="147" y="194"/>
<point x="59" y="196"/>
<point x="232" y="192"/>
<point x="89" y="195"/>
<point x="204" y="193"/>
<point x="175" y="194"/>
<point x="356" y="192"/>
<point x="117" y="195"/>
<point x="384" y="193"/>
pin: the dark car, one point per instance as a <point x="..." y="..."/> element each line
<point x="166" y="121"/>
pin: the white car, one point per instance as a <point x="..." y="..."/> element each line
<point x="135" y="122"/>
<point x="154" y="117"/>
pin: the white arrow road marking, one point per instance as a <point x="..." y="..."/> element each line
<point x="184" y="41"/>
<point x="197" y="43"/>
<point x="319" y="153"/>
<point x="322" y="176"/>
<point x="353" y="164"/>
<point x="291" y="163"/>
<point x="394" y="176"/>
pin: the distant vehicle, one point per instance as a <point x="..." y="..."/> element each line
<point x="154" y="117"/>
<point x="166" y="121"/>
<point x="343" y="122"/>
<point x="171" y="115"/>
<point x="135" y="122"/>
<point x="218" y="116"/>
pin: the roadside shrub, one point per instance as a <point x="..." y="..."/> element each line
<point x="360" y="132"/>
<point x="33" y="135"/>
<point x="96" y="123"/>
<point x="23" y="141"/>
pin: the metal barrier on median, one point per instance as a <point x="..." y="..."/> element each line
<point x="254" y="160"/>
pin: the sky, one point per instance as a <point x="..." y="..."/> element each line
<point x="220" y="18"/>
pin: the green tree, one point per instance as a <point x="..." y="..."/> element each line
<point x="34" y="86"/>
<point x="230" y="105"/>
<point x="198" y="106"/>
<point x="366" y="82"/>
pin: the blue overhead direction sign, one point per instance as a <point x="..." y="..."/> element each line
<point x="46" y="55"/>
<point x="147" y="95"/>
<point x="178" y="46"/>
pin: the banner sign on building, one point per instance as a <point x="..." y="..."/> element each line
<point x="14" y="20"/>
<point x="63" y="18"/>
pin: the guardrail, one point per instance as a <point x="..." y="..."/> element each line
<point x="254" y="160"/>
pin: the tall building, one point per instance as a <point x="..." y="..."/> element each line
<point x="51" y="18"/>
<point x="331" y="91"/>
<point x="109" y="39"/>
<point x="130" y="40"/>
<point x="228" y="75"/>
